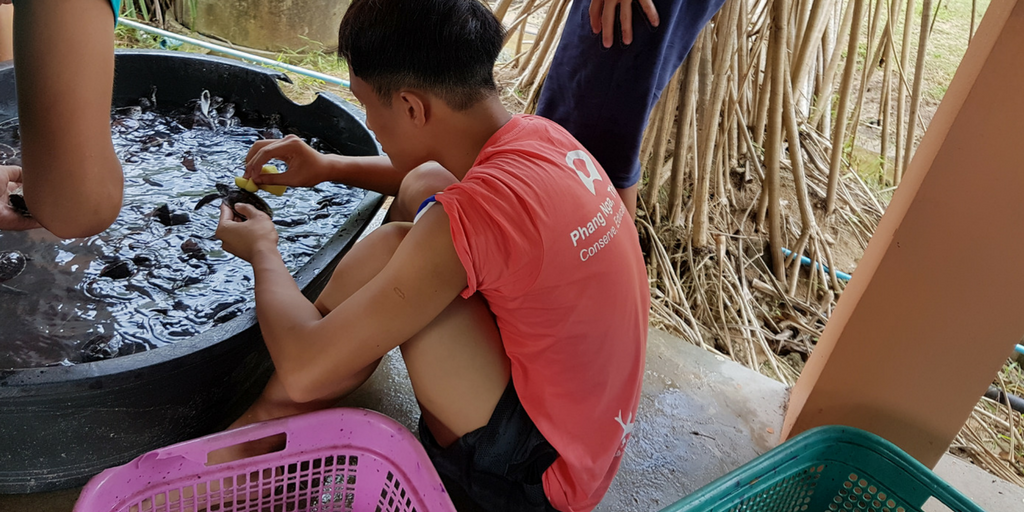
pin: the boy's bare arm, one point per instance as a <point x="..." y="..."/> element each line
<point x="308" y="167"/>
<point x="64" y="56"/>
<point x="422" y="278"/>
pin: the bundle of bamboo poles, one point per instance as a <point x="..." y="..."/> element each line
<point x="994" y="434"/>
<point x="739" y="148"/>
<point x="747" y="153"/>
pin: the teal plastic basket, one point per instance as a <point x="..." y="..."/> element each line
<point x="827" y="469"/>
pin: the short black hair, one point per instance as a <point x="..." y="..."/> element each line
<point x="444" y="47"/>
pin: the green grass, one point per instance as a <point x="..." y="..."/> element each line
<point x="303" y="89"/>
<point x="947" y="42"/>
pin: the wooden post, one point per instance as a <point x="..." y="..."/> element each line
<point x="933" y="309"/>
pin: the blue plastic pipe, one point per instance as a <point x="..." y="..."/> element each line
<point x="1020" y="349"/>
<point x="235" y="53"/>
<point x="804" y="260"/>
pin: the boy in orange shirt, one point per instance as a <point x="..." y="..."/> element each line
<point x="519" y="303"/>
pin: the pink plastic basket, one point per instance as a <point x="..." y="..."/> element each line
<point x="335" y="460"/>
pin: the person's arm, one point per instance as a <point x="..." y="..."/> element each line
<point x="308" y="167"/>
<point x="602" y="18"/>
<point x="6" y="31"/>
<point x="64" y="62"/>
<point x="422" y="278"/>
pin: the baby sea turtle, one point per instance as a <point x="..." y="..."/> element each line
<point x="168" y="218"/>
<point x="188" y="160"/>
<point x="234" y="195"/>
<point x="193" y="250"/>
<point x="12" y="263"/>
<point x="118" y="269"/>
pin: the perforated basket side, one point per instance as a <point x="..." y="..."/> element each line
<point x="827" y="469"/>
<point x="819" y="486"/>
<point x="372" y="465"/>
<point x="354" y="481"/>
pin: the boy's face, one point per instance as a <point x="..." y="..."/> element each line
<point x="391" y="126"/>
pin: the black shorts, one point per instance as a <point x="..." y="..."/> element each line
<point x="499" y="465"/>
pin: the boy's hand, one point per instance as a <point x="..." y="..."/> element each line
<point x="246" y="239"/>
<point x="602" y="18"/>
<point x="306" y="166"/>
<point x="10" y="220"/>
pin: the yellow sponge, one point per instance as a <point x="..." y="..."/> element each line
<point x="277" y="190"/>
<point x="247" y="184"/>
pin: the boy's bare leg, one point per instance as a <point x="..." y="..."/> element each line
<point x="274" y="401"/>
<point x="420" y="183"/>
<point x="366" y="259"/>
<point x="458" y="369"/>
<point x="457" y="363"/>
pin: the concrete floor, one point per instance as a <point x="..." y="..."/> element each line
<point x="700" y="417"/>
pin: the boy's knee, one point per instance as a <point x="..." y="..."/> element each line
<point x="420" y="183"/>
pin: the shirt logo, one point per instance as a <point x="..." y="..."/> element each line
<point x="593" y="176"/>
<point x="627" y="429"/>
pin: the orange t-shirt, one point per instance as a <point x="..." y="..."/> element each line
<point x="546" y="239"/>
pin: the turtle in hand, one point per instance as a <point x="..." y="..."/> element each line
<point x="234" y="195"/>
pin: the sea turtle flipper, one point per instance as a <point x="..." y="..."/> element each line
<point x="206" y="200"/>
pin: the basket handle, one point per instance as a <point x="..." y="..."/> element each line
<point x="198" y="450"/>
<point x="301" y="432"/>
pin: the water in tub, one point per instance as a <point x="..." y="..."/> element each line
<point x="157" y="275"/>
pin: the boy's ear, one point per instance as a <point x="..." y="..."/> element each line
<point x="416" y="106"/>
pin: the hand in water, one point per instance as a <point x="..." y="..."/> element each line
<point x="602" y="18"/>
<point x="11" y="220"/>
<point x="306" y="166"/>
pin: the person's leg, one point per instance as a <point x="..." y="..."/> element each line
<point x="604" y="96"/>
<point x="457" y="364"/>
<point x="458" y="368"/>
<point x="628" y="196"/>
<point x="461" y="376"/>
<point x="364" y="261"/>
<point x="420" y="183"/>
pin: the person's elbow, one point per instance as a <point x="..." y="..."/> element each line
<point x="299" y="386"/>
<point x="76" y="217"/>
<point x="307" y="379"/>
<point x="85" y="224"/>
<point x="75" y="204"/>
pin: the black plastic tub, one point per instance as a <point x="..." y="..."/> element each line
<point x="61" y="425"/>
